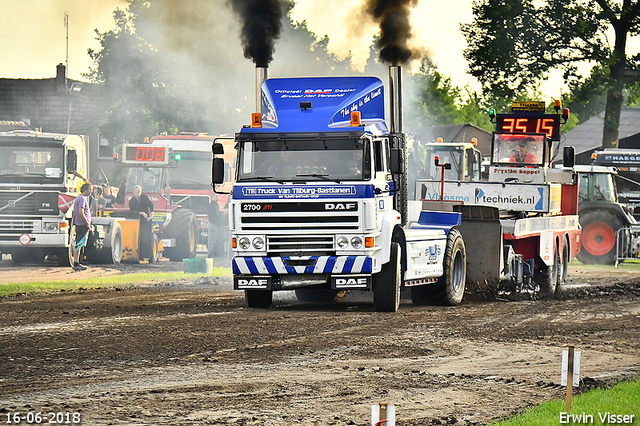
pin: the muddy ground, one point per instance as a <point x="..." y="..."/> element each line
<point x="192" y="353"/>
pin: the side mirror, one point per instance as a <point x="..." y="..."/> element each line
<point x="72" y="161"/>
<point x="217" y="171"/>
<point x="396" y="161"/>
<point x="218" y="149"/>
<point x="569" y="156"/>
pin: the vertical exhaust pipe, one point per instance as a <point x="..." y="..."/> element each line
<point x="398" y="142"/>
<point x="395" y="96"/>
<point x="262" y="73"/>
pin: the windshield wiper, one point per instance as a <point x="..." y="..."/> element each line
<point x="323" y="177"/>
<point x="265" y="179"/>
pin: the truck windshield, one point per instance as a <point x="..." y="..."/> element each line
<point x="446" y="154"/>
<point x="24" y="163"/>
<point x="193" y="171"/>
<point x="304" y="160"/>
<point x="518" y="149"/>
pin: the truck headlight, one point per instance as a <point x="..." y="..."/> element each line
<point x="343" y="242"/>
<point x="244" y="243"/>
<point x="258" y="243"/>
<point x="356" y="242"/>
<point x="51" y="227"/>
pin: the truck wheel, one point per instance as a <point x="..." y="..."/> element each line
<point x="598" y="237"/>
<point x="547" y="276"/>
<point x="455" y="269"/>
<point x="316" y="294"/>
<point x="386" y="283"/>
<point x="65" y="255"/>
<point x="109" y="254"/>
<point x="21" y="257"/>
<point x="258" y="298"/>
<point x="564" y="266"/>
<point x="155" y="254"/>
<point x="449" y="290"/>
<point x="183" y="229"/>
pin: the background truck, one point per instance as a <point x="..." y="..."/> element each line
<point x="190" y="181"/>
<point x="174" y="226"/>
<point x="39" y="180"/>
<point x="610" y="232"/>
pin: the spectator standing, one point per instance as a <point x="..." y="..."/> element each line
<point x="81" y="220"/>
<point x="142" y="204"/>
<point x="215" y="228"/>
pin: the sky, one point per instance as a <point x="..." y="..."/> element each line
<point x="33" y="34"/>
<point x="36" y="42"/>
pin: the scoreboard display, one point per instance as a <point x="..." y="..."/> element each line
<point x="146" y="155"/>
<point x="526" y="122"/>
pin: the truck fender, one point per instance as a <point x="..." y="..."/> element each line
<point x="108" y="225"/>
<point x="390" y="221"/>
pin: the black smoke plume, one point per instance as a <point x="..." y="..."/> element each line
<point x="261" y="26"/>
<point x="395" y="29"/>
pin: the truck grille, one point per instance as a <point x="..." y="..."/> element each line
<point x="321" y="245"/>
<point x="16" y="227"/>
<point x="28" y="203"/>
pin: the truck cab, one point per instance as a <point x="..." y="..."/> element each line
<point x="319" y="204"/>
<point x="39" y="179"/>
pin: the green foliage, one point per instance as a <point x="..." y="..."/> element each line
<point x="438" y="102"/>
<point x="513" y="44"/>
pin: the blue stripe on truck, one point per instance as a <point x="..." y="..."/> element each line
<point x="350" y="265"/>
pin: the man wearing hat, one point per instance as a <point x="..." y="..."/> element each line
<point x="522" y="154"/>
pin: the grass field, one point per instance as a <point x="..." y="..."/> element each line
<point x="590" y="408"/>
<point x="109" y="281"/>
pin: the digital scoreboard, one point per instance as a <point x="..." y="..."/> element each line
<point x="527" y="122"/>
<point x="146" y="155"/>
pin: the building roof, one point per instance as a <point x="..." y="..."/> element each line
<point x="588" y="135"/>
<point x="49" y="104"/>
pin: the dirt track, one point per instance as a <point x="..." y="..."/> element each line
<point x="193" y="354"/>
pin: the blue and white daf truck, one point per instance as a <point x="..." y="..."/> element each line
<point x="320" y="204"/>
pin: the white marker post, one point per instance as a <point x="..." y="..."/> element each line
<point x="570" y="372"/>
<point x="383" y="414"/>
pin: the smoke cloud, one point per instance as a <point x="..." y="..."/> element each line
<point x="261" y="26"/>
<point x="395" y="29"/>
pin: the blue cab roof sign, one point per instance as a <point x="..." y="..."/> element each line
<point x="321" y="104"/>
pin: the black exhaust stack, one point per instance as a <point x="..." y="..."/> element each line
<point x="398" y="143"/>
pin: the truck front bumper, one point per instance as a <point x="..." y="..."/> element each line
<point x="303" y="265"/>
<point x="283" y="273"/>
<point x="29" y="240"/>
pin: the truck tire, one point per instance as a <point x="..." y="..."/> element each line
<point x="183" y="229"/>
<point x="449" y="290"/>
<point x="155" y="253"/>
<point x="387" y="282"/>
<point x="547" y="276"/>
<point x="258" y="298"/>
<point x="564" y="266"/>
<point x="65" y="255"/>
<point x="598" y="237"/>
<point x="27" y="256"/>
<point x="109" y="254"/>
<point x="316" y="294"/>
